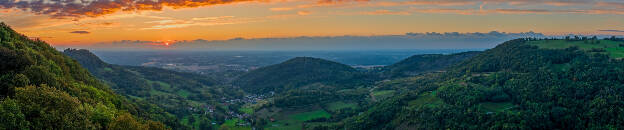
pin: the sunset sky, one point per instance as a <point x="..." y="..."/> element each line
<point x="67" y="22"/>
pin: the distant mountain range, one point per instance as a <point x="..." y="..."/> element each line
<point x="452" y="40"/>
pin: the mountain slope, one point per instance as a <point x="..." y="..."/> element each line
<point x="86" y="59"/>
<point x="173" y="91"/>
<point x="43" y="89"/>
<point x="418" y="64"/>
<point x="299" y="72"/>
<point x="306" y="90"/>
<point x="128" y="79"/>
<point x="520" y="84"/>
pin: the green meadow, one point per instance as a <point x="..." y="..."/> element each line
<point x="612" y="48"/>
<point x="295" y="120"/>
<point x="231" y="125"/>
<point x="427" y="99"/>
<point x="383" y="94"/>
<point x="335" y="106"/>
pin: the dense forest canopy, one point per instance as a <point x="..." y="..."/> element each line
<point x="300" y="71"/>
<point x="43" y="89"/>
<point x="520" y="84"/>
<point x="418" y="64"/>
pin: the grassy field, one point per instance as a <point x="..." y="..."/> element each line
<point x="247" y="110"/>
<point x="380" y="95"/>
<point x="162" y="85"/>
<point x="310" y="115"/>
<point x="183" y="93"/>
<point x="231" y="124"/>
<point x="282" y="126"/>
<point x="612" y="48"/>
<point x="496" y="107"/>
<point x="293" y="121"/>
<point x="335" y="106"/>
<point x="156" y="92"/>
<point x="186" y="120"/>
<point x="428" y="99"/>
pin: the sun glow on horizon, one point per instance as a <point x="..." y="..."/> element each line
<point x="294" y="18"/>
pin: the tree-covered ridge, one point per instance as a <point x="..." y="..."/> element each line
<point x="418" y="64"/>
<point x="169" y="94"/>
<point x="43" y="89"/>
<point x="138" y="81"/>
<point x="299" y="72"/>
<point x="613" y="48"/>
<point x="86" y="59"/>
<point x="516" y="85"/>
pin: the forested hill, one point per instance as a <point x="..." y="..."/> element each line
<point x="132" y="78"/>
<point x="173" y="92"/>
<point x="43" y="89"/>
<point x="86" y="58"/>
<point x="298" y="72"/>
<point x="418" y="64"/>
<point x="521" y="84"/>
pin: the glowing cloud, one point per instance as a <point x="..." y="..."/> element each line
<point x="93" y="8"/>
<point x="80" y="32"/>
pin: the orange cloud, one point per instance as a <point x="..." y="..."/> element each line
<point x="304" y="13"/>
<point x="447" y="11"/>
<point x="64" y="9"/>
<point x="80" y="32"/>
<point x="565" y="3"/>
<point x="281" y="9"/>
<point x="204" y="21"/>
<point x="386" y="12"/>
<point x="94" y="8"/>
<point x="325" y="3"/>
<point x="602" y="11"/>
<point x="516" y="11"/>
<point x="542" y="11"/>
<point x="439" y="3"/>
<point x="544" y="2"/>
<point x="610" y="4"/>
<point x="339" y="1"/>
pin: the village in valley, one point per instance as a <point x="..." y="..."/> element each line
<point x="234" y="112"/>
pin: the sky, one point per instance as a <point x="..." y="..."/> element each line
<point x="85" y="22"/>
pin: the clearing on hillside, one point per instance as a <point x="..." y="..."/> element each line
<point x="336" y="106"/>
<point x="427" y="99"/>
<point x="614" y="49"/>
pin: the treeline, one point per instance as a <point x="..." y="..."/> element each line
<point x="419" y="64"/>
<point x="574" y="38"/>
